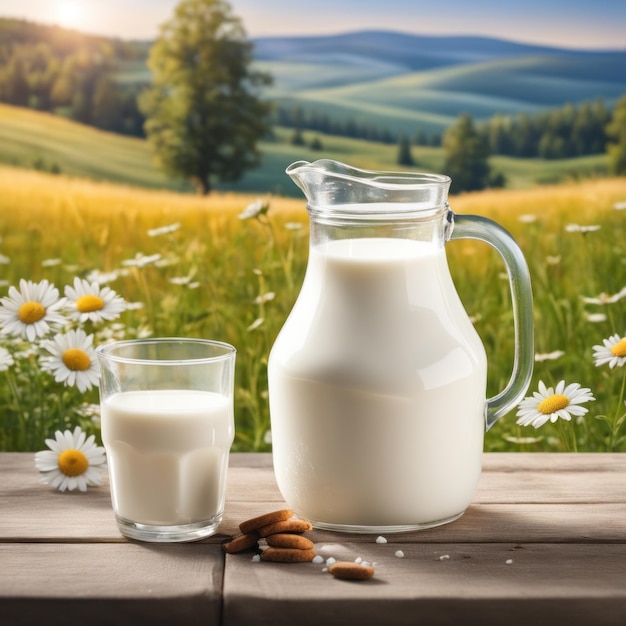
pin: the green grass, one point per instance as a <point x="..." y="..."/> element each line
<point x="58" y="227"/>
<point x="38" y="140"/>
<point x="52" y="143"/>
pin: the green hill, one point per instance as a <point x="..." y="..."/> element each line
<point x="433" y="99"/>
<point x="30" y="139"/>
<point x="390" y="83"/>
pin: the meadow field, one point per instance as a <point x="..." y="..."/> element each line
<point x="190" y="266"/>
<point x="32" y="139"/>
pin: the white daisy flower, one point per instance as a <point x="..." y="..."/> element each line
<point x="265" y="297"/>
<point x="141" y="260"/>
<point x="550" y="404"/>
<point x="164" y="230"/>
<point x="577" y="228"/>
<point x="180" y="280"/>
<point x="4" y="260"/>
<point x="548" y="356"/>
<point x="105" y="277"/>
<point x="89" y="301"/>
<point x="294" y="226"/>
<point x="527" y="218"/>
<point x="596" y="318"/>
<point x="134" y="306"/>
<point x="253" y="210"/>
<point x="620" y="206"/>
<point x="73" y="359"/>
<point x="612" y="352"/>
<point x="256" y="324"/>
<point x="32" y="311"/>
<point x="6" y="360"/>
<point x="73" y="461"/>
<point x="606" y="298"/>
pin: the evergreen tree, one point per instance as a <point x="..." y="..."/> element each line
<point x="316" y="144"/>
<point x="404" y="152"/>
<point x="466" y="156"/>
<point x="16" y="87"/>
<point x="616" y="132"/>
<point x="204" y="115"/>
<point x="421" y="139"/>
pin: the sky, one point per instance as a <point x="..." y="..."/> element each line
<point x="589" y="24"/>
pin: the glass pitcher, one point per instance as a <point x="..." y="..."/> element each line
<point x="377" y="380"/>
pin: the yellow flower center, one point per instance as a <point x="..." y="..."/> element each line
<point x="553" y="403"/>
<point x="30" y="312"/>
<point x="76" y="360"/>
<point x="73" y="462"/>
<point x="89" y="303"/>
<point x="619" y="349"/>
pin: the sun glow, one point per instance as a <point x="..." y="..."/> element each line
<point x="71" y="14"/>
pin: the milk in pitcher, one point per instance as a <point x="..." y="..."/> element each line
<point x="377" y="389"/>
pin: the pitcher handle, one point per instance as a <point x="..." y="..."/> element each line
<point x="483" y="229"/>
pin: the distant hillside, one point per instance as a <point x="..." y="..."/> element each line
<point x="406" y="52"/>
<point x="391" y="81"/>
<point x="34" y="140"/>
<point x="402" y="81"/>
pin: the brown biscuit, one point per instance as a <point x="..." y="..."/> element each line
<point x="242" y="542"/>
<point x="287" y="555"/>
<point x="263" y="520"/>
<point x="290" y="540"/>
<point x="286" y="526"/>
<point x="351" y="571"/>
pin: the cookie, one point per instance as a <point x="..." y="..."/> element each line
<point x="286" y="526"/>
<point x="263" y="520"/>
<point x="242" y="543"/>
<point x="287" y="555"/>
<point x="351" y="571"/>
<point x="289" y="540"/>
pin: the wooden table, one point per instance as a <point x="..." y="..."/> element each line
<point x="543" y="543"/>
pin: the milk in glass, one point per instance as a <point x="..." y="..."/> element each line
<point x="167" y="452"/>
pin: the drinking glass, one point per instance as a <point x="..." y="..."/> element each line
<point x="167" y="427"/>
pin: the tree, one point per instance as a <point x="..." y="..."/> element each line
<point x="17" y="89"/>
<point x="404" y="152"/>
<point x="616" y="132"/>
<point x="204" y="115"/>
<point x="466" y="156"/>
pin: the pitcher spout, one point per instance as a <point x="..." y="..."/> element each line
<point x="327" y="183"/>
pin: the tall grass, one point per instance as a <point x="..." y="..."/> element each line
<point x="225" y="278"/>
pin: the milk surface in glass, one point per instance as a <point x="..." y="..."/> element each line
<point x="167" y="452"/>
<point x="377" y="389"/>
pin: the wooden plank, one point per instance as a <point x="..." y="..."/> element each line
<point x="542" y="481"/>
<point x="512" y="502"/>
<point x="557" y="461"/>
<point x="33" y="511"/>
<point x="544" y="584"/>
<point x="560" y="518"/>
<point x="111" y="584"/>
